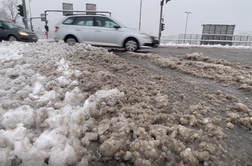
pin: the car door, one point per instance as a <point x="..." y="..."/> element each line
<point x="2" y="31"/>
<point x="83" y="27"/>
<point x="106" y="33"/>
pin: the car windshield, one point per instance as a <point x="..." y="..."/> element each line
<point x="119" y="23"/>
<point x="12" y="25"/>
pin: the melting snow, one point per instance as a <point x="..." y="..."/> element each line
<point x="59" y="107"/>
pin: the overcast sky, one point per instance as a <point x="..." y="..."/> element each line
<point x="236" y="12"/>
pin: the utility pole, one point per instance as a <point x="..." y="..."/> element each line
<point x="30" y="15"/>
<point x="160" y="21"/>
<point x="140" y="17"/>
<point x="25" y="15"/>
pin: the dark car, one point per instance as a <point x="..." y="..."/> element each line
<point x="12" y="32"/>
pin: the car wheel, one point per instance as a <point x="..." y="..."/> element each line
<point x="131" y="45"/>
<point x="71" y="40"/>
<point x="12" y="38"/>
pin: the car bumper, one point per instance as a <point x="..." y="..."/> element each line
<point x="154" y="42"/>
<point x="148" y="44"/>
<point x="28" y="38"/>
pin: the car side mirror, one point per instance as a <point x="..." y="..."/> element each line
<point x="117" y="26"/>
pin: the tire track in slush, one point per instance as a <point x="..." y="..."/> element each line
<point x="237" y="140"/>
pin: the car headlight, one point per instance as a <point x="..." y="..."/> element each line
<point x="23" y="34"/>
<point x="156" y="38"/>
<point x="144" y="35"/>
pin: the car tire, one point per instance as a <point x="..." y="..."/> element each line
<point x="12" y="38"/>
<point x="71" y="40"/>
<point x="131" y="44"/>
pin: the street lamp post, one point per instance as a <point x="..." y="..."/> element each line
<point x="140" y="17"/>
<point x="160" y="20"/>
<point x="187" y="13"/>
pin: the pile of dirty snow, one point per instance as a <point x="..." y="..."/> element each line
<point x="10" y="51"/>
<point x="81" y="105"/>
<point x="206" y="67"/>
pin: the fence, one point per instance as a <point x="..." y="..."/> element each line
<point x="210" y="39"/>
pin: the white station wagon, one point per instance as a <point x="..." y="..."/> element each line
<point x="100" y="30"/>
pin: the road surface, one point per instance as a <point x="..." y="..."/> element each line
<point x="186" y="87"/>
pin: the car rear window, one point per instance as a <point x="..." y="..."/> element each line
<point x="69" y="21"/>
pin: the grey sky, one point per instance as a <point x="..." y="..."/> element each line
<point x="127" y="12"/>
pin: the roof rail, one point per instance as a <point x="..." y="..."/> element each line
<point x="77" y="11"/>
<point x="85" y="14"/>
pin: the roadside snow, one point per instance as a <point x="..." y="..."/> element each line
<point x="39" y="119"/>
<point x="82" y="105"/>
<point x="170" y="44"/>
<point x="11" y="51"/>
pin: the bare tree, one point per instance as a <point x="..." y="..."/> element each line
<point x="11" y="7"/>
<point x="4" y="15"/>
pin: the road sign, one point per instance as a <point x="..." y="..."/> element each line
<point x="67" y="6"/>
<point x="90" y="7"/>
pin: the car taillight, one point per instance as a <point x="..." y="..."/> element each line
<point x="56" y="29"/>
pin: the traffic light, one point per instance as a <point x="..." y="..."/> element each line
<point x="162" y="2"/>
<point x="47" y="28"/>
<point x="162" y="26"/>
<point x="20" y="10"/>
<point x="167" y="1"/>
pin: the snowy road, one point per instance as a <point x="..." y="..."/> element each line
<point x="199" y="87"/>
<point x="85" y="106"/>
<point x="235" y="55"/>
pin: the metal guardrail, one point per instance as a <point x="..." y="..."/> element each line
<point x="198" y="42"/>
<point x="198" y="39"/>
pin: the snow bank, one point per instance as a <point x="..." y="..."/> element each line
<point x="10" y="51"/>
<point x="81" y="105"/>
<point x="48" y="112"/>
